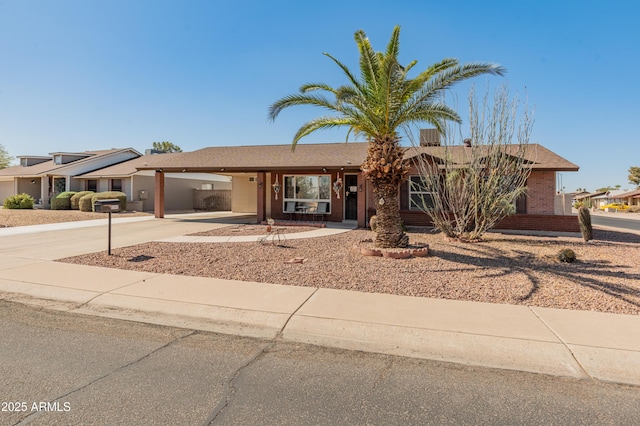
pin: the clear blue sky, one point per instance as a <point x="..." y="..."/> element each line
<point x="78" y="75"/>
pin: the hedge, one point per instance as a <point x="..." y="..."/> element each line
<point x="110" y="195"/>
<point x="20" y="201"/>
<point x="75" y="200"/>
<point x="87" y="201"/>
<point x="62" y="201"/>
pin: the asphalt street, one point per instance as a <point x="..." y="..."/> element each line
<point x="621" y="223"/>
<point x="60" y="369"/>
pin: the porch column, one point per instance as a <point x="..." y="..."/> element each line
<point x="158" y="201"/>
<point x="261" y="206"/>
<point x="362" y="201"/>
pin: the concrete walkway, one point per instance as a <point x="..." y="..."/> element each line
<point x="577" y="344"/>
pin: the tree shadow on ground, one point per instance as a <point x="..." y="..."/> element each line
<point x="500" y="263"/>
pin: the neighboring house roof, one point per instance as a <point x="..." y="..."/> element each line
<point x="50" y="168"/>
<point x="630" y="194"/>
<point x="615" y="193"/>
<point x="589" y="195"/>
<point x="263" y="157"/>
<point x="537" y="155"/>
<point x="124" y="169"/>
<point x="329" y="155"/>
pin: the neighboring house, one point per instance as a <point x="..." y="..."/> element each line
<point x="599" y="199"/>
<point x="631" y="198"/>
<point x="185" y="189"/>
<point x="45" y="177"/>
<point x="324" y="181"/>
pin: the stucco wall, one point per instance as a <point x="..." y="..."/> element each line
<point x="6" y="190"/>
<point x="244" y="198"/>
<point x="26" y="187"/>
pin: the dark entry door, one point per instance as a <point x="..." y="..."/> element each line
<point x="351" y="197"/>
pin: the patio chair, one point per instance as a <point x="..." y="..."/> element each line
<point x="321" y="211"/>
<point x="289" y="208"/>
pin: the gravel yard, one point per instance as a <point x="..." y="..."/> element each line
<point x="512" y="269"/>
<point x="24" y="217"/>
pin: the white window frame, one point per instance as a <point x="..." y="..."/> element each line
<point x="303" y="201"/>
<point x="412" y="191"/>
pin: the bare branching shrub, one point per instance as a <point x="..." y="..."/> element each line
<point x="467" y="188"/>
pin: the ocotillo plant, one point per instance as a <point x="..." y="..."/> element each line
<point x="584" y="218"/>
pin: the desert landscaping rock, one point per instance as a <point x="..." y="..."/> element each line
<point x="509" y="269"/>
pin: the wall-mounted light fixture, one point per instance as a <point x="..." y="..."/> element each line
<point x="33" y="181"/>
<point x="276" y="187"/>
<point x="324" y="170"/>
<point x="360" y="188"/>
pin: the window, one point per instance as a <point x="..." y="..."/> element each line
<point x="92" y="185"/>
<point x="307" y="190"/>
<point x="116" y="185"/>
<point x="419" y="197"/>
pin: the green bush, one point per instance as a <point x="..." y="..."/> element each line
<point x="85" y="204"/>
<point x="62" y="201"/>
<point x="110" y="195"/>
<point x="67" y="194"/>
<point x="20" y="201"/>
<point x="60" y="204"/>
<point x="566" y="255"/>
<point x="75" y="199"/>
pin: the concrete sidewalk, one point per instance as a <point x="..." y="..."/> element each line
<point x="576" y="344"/>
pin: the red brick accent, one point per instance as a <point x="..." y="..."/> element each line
<point x="541" y="189"/>
<point x="524" y="222"/>
<point x="158" y="200"/>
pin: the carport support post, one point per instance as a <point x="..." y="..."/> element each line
<point x="158" y="199"/>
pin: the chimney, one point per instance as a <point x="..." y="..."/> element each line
<point x="429" y="137"/>
<point x="467" y="142"/>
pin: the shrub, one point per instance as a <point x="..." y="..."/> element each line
<point x="110" y="195"/>
<point x="75" y="199"/>
<point x="633" y="209"/>
<point x="566" y="255"/>
<point x="62" y="201"/>
<point x="85" y="204"/>
<point x="19" y="201"/>
<point x="373" y="223"/>
<point x="60" y="204"/>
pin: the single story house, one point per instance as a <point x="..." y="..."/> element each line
<point x="631" y="198"/>
<point x="43" y="177"/>
<point x="324" y="181"/>
<point x="602" y="198"/>
<point x="187" y="190"/>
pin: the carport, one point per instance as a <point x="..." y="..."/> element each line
<point x="270" y="176"/>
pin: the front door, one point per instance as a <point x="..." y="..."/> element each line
<point x="351" y="197"/>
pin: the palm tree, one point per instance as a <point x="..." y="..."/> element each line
<point x="375" y="106"/>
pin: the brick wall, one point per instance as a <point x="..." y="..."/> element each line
<point x="541" y="189"/>
<point x="524" y="222"/>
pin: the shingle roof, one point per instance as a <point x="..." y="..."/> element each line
<point x="263" y="157"/>
<point x="48" y="167"/>
<point x="630" y="194"/>
<point x="330" y="155"/>
<point x="538" y="156"/>
<point x="126" y="168"/>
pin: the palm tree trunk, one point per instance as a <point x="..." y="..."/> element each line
<point x="386" y="170"/>
<point x="389" y="223"/>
